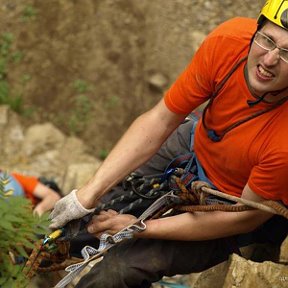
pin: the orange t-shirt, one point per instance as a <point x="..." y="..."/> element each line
<point x="28" y="184"/>
<point x="255" y="152"/>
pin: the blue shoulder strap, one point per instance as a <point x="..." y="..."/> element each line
<point x="200" y="171"/>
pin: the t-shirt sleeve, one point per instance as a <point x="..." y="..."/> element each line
<point x="27" y="182"/>
<point x="193" y="87"/>
<point x="221" y="49"/>
<point x="269" y="178"/>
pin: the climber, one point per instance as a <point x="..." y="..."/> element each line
<point x="240" y="144"/>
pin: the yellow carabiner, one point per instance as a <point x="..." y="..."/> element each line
<point x="53" y="236"/>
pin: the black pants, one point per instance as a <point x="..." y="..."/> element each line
<point x="138" y="263"/>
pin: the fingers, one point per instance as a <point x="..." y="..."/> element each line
<point x="52" y="214"/>
<point x="59" y="219"/>
<point x="105" y="215"/>
<point x="109" y="212"/>
<point x="98" y="225"/>
<point x="56" y="223"/>
<point x="98" y="235"/>
<point x="112" y="212"/>
<point x="54" y="226"/>
<point x="109" y="222"/>
<point x="101" y="222"/>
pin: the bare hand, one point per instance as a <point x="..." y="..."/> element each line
<point x="109" y="222"/>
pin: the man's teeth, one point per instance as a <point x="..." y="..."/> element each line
<point x="264" y="72"/>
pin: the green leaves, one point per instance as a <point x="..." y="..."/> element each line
<point x="8" y="55"/>
<point x="19" y="229"/>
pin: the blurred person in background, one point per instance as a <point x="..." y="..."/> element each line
<point x="42" y="192"/>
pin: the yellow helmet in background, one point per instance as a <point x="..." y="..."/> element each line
<point x="275" y="11"/>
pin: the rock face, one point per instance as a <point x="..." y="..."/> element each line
<point x="43" y="150"/>
<point x="237" y="272"/>
<point x="243" y="273"/>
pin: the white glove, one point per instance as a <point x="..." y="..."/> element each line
<point x="66" y="209"/>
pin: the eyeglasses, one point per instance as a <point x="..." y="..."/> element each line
<point x="268" y="44"/>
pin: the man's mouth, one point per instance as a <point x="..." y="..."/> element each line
<point x="264" y="74"/>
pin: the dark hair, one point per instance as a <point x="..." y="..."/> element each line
<point x="260" y="23"/>
<point x="50" y="183"/>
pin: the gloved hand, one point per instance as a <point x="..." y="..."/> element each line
<point x="67" y="209"/>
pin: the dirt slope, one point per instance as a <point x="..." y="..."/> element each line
<point x="90" y="66"/>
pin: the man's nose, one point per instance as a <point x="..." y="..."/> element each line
<point x="272" y="57"/>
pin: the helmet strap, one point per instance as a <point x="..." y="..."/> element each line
<point x="251" y="103"/>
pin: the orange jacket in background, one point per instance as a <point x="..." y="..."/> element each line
<point x="28" y="184"/>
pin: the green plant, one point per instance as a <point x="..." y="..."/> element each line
<point x="17" y="56"/>
<point x="5" y="46"/>
<point x="81" y="113"/>
<point x="18" y="229"/>
<point x="112" y="102"/>
<point x="81" y="86"/>
<point x="103" y="153"/>
<point x="29" y="13"/>
<point x="82" y="106"/>
<point x="14" y="100"/>
<point x="25" y="78"/>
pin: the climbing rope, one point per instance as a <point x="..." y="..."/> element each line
<point x="269" y="206"/>
<point x="55" y="260"/>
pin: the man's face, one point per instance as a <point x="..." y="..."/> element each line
<point x="265" y="71"/>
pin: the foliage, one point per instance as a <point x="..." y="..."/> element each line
<point x="112" y="102"/>
<point x="82" y="106"/>
<point x="6" y="57"/>
<point x="18" y="229"/>
<point x="29" y="13"/>
<point x="81" y="86"/>
<point x="103" y="154"/>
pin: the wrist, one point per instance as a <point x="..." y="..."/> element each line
<point x="89" y="195"/>
<point x="85" y="199"/>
